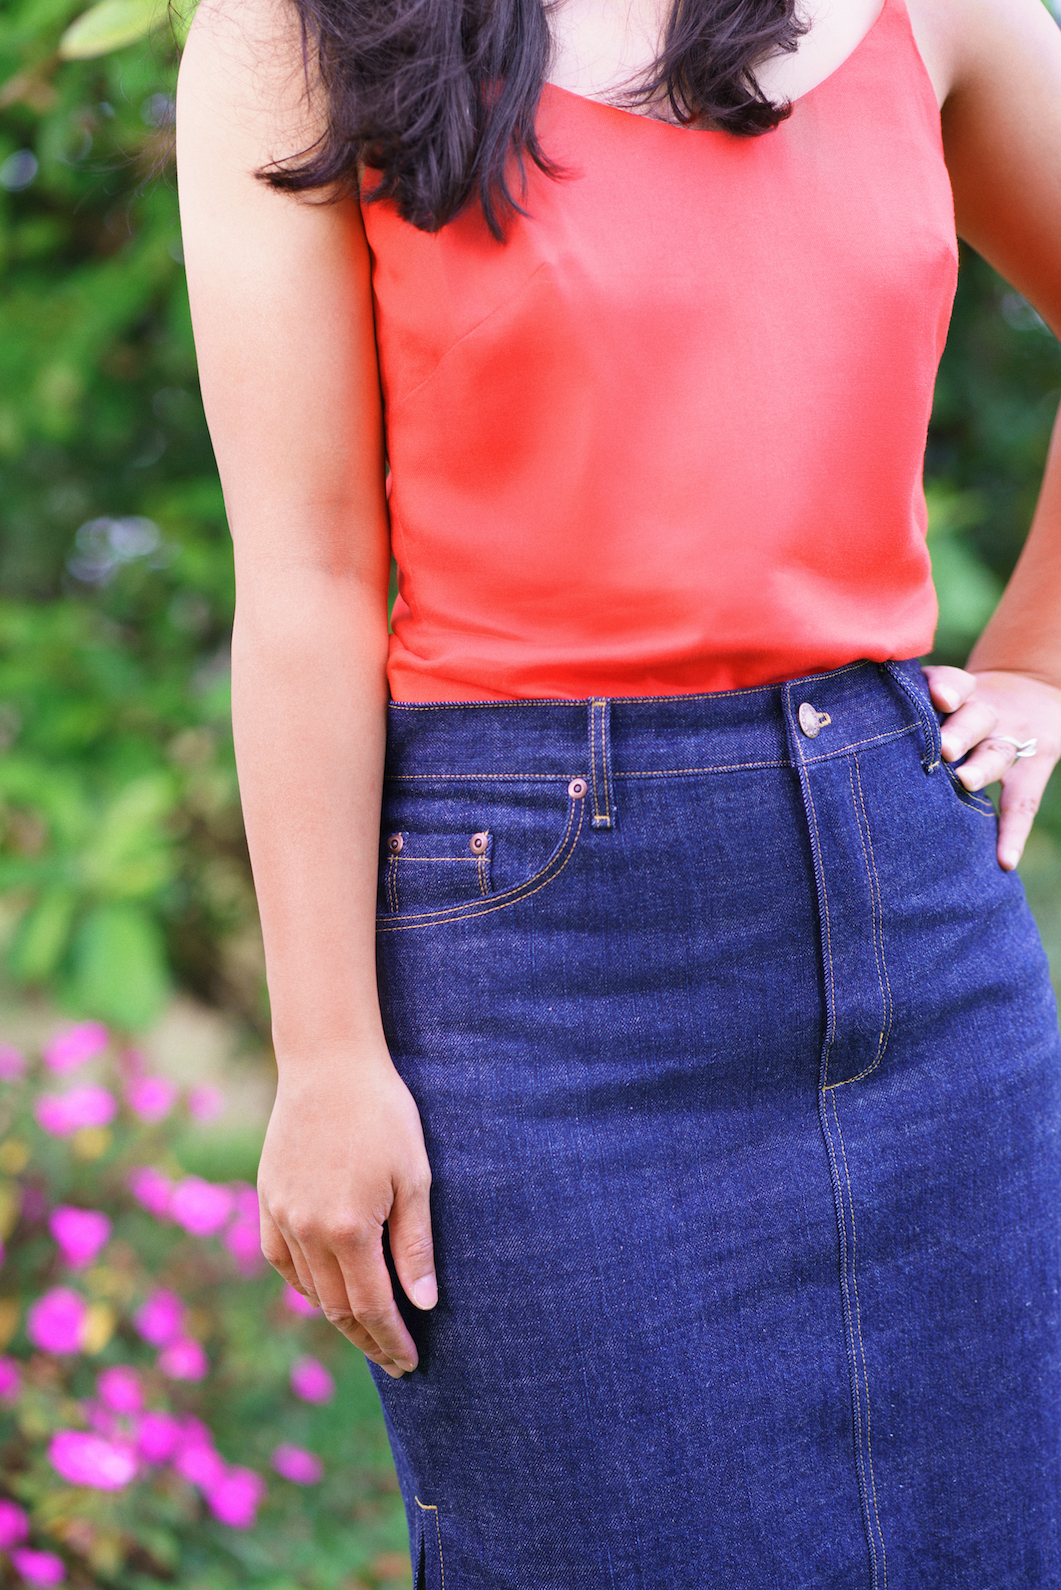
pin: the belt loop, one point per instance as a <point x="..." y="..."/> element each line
<point x="600" y="762"/>
<point x="923" y="707"/>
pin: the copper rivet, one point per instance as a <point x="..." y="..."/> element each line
<point x="577" y="788"/>
<point x="479" y="843"/>
<point x="395" y="843"/>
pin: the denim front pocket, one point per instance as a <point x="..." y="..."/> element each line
<point x="467" y="847"/>
<point x="427" y="872"/>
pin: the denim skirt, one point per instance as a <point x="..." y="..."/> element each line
<point x="739" y="1071"/>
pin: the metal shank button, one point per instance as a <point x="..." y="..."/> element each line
<point x="811" y="720"/>
<point x="577" y="788"/>
<point x="395" y="843"/>
<point x="478" y="843"/>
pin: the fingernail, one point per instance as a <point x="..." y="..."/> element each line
<point x="973" y="783"/>
<point x="425" y="1292"/>
<point x="947" y="700"/>
<point x="1008" y="859"/>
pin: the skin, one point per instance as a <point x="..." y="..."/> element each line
<point x="282" y="309"/>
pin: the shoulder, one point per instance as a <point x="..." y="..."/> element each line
<point x="972" y="47"/>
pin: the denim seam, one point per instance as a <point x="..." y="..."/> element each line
<point x="852" y="1367"/>
<point x="565" y="778"/>
<point x="565" y="849"/>
<point x="483" y="889"/>
<point x="875" y="1534"/>
<point x="877" y="908"/>
<point x="859" y="745"/>
<point x="392" y="884"/>
<point x="675" y="772"/>
<point x="820" y="876"/>
<point x="438" y="1535"/>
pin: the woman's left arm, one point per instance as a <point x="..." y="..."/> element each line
<point x="1000" y="64"/>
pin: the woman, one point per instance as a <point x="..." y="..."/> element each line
<point x="709" y="998"/>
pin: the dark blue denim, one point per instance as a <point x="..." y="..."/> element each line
<point x="739" y="1069"/>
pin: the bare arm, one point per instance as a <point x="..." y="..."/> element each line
<point x="997" y="66"/>
<point x="282" y="310"/>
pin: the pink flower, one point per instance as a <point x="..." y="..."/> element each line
<point x="299" y="1304"/>
<point x="205" y="1103"/>
<point x="38" y="1567"/>
<point x="14" y="1524"/>
<point x="201" y="1207"/>
<point x="10" y="1381"/>
<point x="311" y="1381"/>
<point x="151" y="1098"/>
<point x="184" y="1359"/>
<point x="56" y="1321"/>
<point x="120" y="1389"/>
<point x="200" y="1465"/>
<point x="298" y="1465"/>
<point x="236" y="1498"/>
<point x="246" y="1198"/>
<point x="243" y="1240"/>
<point x="83" y="1459"/>
<point x="158" y="1436"/>
<point x="151" y="1190"/>
<point x="70" y="1049"/>
<point x="61" y="1114"/>
<point x="12" y="1064"/>
<point x="80" y="1233"/>
<point x="161" y="1319"/>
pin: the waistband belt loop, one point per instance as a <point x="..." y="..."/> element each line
<point x="929" y="722"/>
<point x="600" y="762"/>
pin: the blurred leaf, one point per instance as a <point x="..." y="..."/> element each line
<point x="130" y="855"/>
<point x="118" y="967"/>
<point x="42" y="936"/>
<point x="110" y="25"/>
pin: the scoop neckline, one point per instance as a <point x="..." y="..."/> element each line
<point x="659" y="121"/>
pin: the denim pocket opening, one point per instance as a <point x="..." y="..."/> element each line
<point x="975" y="800"/>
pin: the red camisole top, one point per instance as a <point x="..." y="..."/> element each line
<point x="668" y="437"/>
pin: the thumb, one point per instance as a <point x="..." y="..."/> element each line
<point x="409" y="1228"/>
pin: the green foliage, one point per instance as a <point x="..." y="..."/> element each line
<point x="122" y="862"/>
<point x="164" y="1524"/>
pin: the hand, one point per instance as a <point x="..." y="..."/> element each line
<point x="343" y="1154"/>
<point x="983" y="706"/>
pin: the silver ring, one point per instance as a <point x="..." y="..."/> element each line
<point x="1022" y="747"/>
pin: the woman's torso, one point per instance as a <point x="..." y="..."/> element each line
<point x="668" y="436"/>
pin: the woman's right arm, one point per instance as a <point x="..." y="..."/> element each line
<point x="282" y="309"/>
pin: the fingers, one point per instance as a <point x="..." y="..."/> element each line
<point x="369" y="1301"/>
<point x="969" y="726"/>
<point x="1022" y="791"/>
<point x="357" y="1298"/>
<point x="409" y="1227"/>
<point x="285" y="1258"/>
<point x="950" y="688"/>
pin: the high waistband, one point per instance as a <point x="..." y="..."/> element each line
<point x="800" y="721"/>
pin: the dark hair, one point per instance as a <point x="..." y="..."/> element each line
<point x="439" y="97"/>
